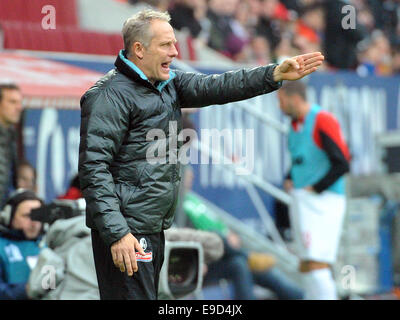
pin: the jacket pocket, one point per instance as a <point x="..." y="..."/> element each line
<point x="124" y="193"/>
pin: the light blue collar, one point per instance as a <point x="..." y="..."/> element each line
<point x="160" y="85"/>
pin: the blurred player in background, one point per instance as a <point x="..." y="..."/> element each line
<point x="319" y="159"/>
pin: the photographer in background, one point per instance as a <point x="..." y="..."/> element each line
<point x="19" y="244"/>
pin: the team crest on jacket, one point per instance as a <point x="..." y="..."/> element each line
<point x="143" y="243"/>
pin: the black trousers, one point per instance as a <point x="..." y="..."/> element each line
<point x="117" y="285"/>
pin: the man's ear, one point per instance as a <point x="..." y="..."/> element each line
<point x="137" y="50"/>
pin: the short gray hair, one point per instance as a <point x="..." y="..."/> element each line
<point x="137" y="27"/>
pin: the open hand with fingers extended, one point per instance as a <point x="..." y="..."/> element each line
<point x="299" y="66"/>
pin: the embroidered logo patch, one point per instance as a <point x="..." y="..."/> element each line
<point x="147" y="257"/>
<point x="143" y="243"/>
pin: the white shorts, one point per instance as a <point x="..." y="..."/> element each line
<point x="316" y="222"/>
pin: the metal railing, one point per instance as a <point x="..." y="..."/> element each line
<point x="275" y="244"/>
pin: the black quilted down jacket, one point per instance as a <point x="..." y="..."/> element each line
<point x="124" y="191"/>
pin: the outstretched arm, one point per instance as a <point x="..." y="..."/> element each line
<point x="199" y="90"/>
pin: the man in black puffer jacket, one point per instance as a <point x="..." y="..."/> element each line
<point x="130" y="198"/>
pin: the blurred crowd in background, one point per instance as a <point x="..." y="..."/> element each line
<point x="265" y="31"/>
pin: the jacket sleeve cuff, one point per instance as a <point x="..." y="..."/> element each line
<point x="112" y="230"/>
<point x="270" y="77"/>
<point x="110" y="238"/>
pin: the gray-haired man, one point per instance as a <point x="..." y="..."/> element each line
<point x="131" y="200"/>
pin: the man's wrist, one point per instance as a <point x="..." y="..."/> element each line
<point x="277" y="74"/>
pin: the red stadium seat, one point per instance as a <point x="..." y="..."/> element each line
<point x="13" y="35"/>
<point x="30" y="36"/>
<point x="117" y="43"/>
<point x="30" y="11"/>
<point x="21" y="22"/>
